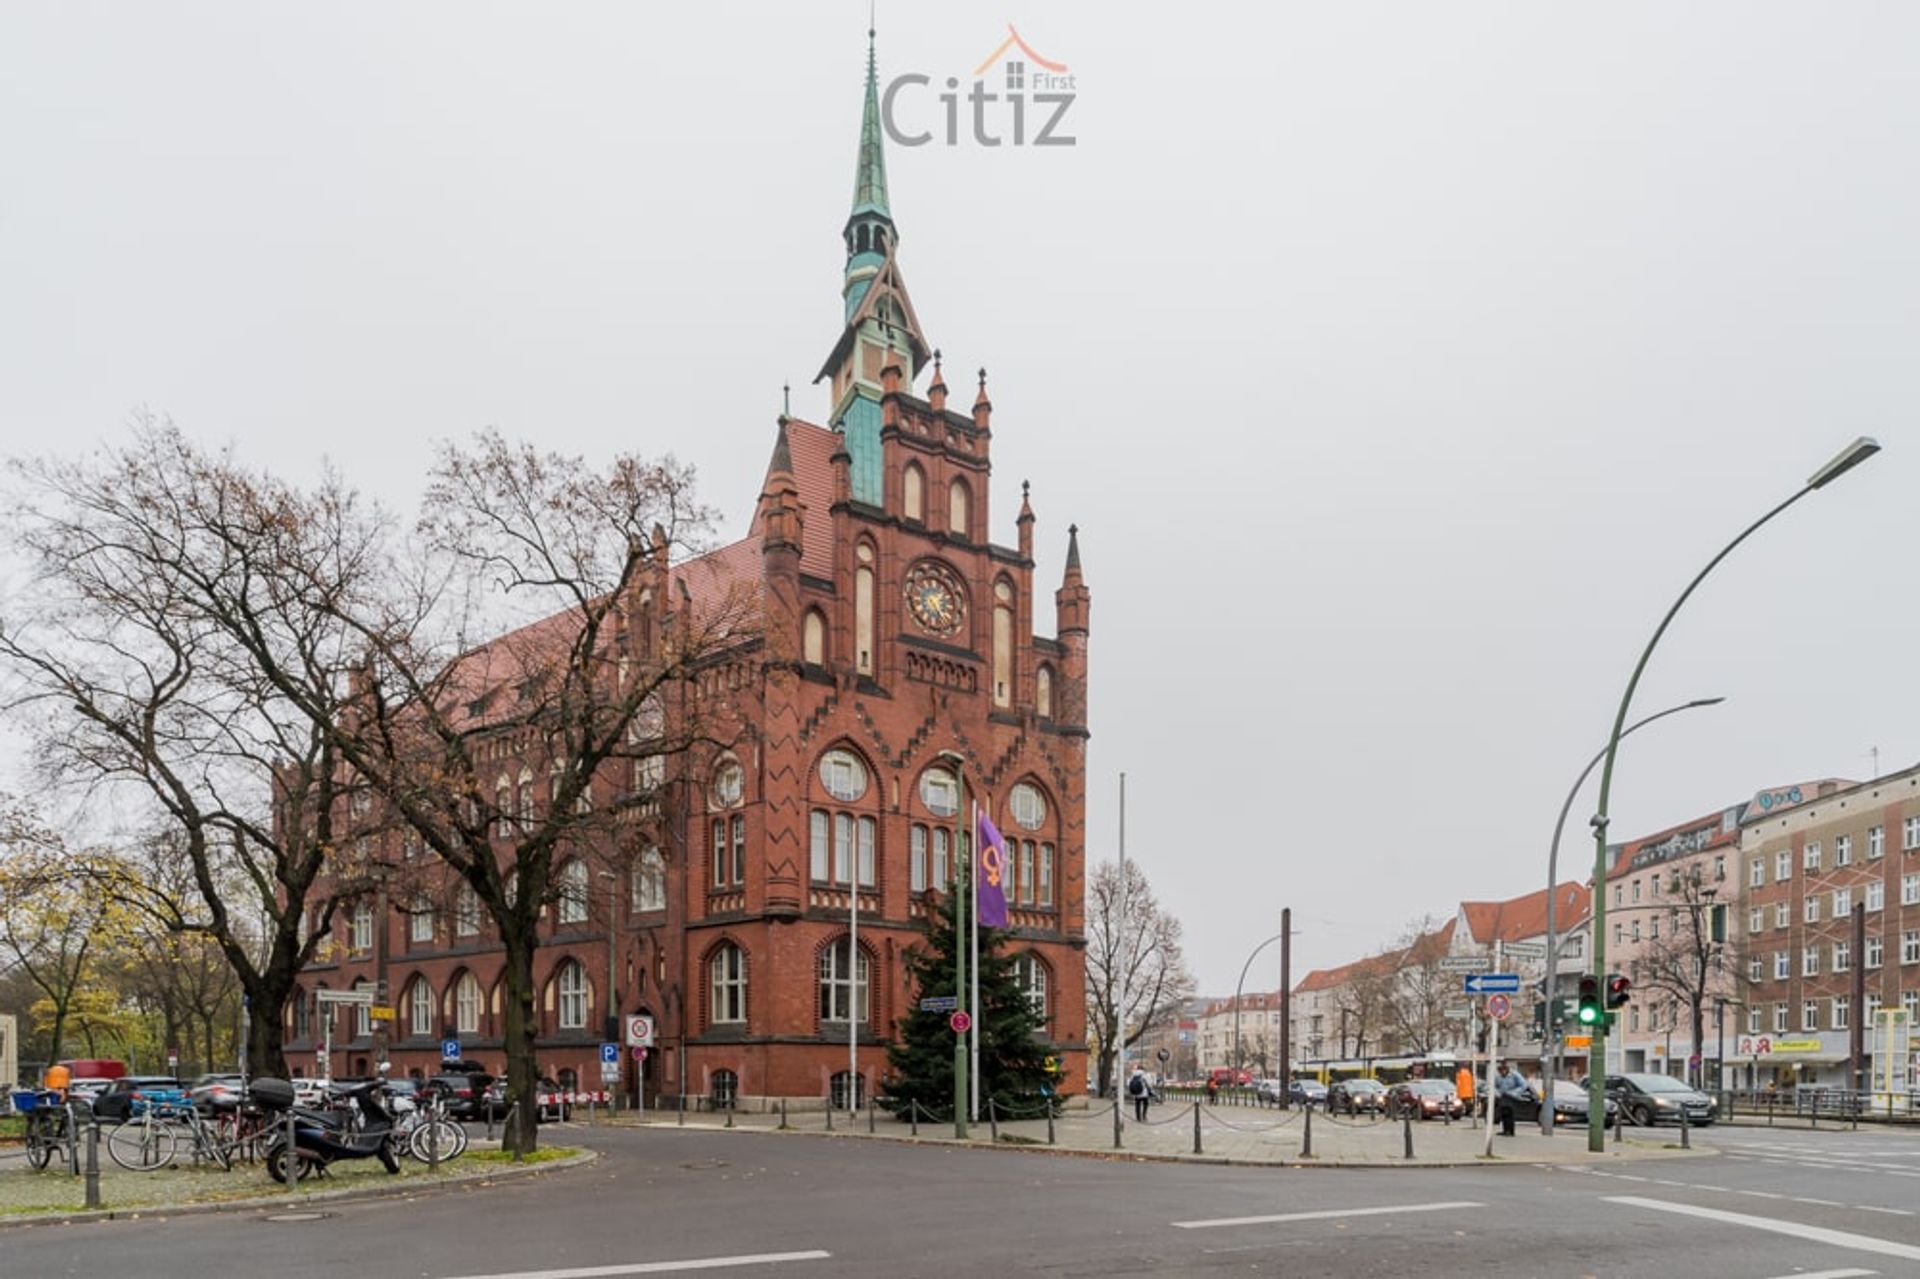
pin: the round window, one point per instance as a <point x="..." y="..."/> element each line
<point x="844" y="776"/>
<point x="728" y="781"/>
<point x="1029" y="806"/>
<point x="940" y="792"/>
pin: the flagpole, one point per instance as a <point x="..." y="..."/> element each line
<point x="973" y="959"/>
<point x="959" y="888"/>
<point x="1120" y="955"/>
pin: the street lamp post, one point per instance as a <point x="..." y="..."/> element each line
<point x="1848" y="458"/>
<point x="1550" y="1054"/>
<point x="960" y="880"/>
<point x="1241" y="985"/>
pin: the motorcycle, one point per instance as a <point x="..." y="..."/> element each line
<point x="323" y="1136"/>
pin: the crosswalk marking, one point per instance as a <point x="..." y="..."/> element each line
<point x="1815" y="1234"/>
<point x="1321" y="1216"/>
<point x="659" y="1267"/>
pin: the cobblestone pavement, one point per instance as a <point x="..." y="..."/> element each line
<point x="1234" y="1134"/>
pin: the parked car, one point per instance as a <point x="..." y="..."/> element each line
<point x="1307" y="1092"/>
<point x="549" y="1102"/>
<point x="87" y="1089"/>
<point x="1267" y="1090"/>
<point x="1569" y="1105"/>
<point x="216" y="1094"/>
<point x="309" y="1093"/>
<point x="116" y="1103"/>
<point x="1424" y="1099"/>
<point x="1351" y="1096"/>
<point x="1651" y="1099"/>
<point x="466" y="1093"/>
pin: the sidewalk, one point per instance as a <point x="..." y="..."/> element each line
<point x="1233" y="1135"/>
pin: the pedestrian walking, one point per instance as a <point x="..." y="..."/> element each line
<point x="1463" y="1084"/>
<point x="1141" y="1091"/>
<point x="1213" y="1089"/>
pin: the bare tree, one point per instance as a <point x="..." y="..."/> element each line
<point x="1420" y="992"/>
<point x="1689" y="961"/>
<point x="160" y="571"/>
<point x="1136" y="942"/>
<point x="546" y="747"/>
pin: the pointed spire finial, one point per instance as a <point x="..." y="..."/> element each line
<point x="781" y="463"/>
<point x="786" y="401"/>
<point x="1073" y="548"/>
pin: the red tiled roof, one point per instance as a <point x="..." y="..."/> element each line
<point x="1523" y="917"/>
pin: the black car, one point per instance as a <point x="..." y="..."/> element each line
<point x="550" y="1101"/>
<point x="116" y="1103"/>
<point x="1650" y="1099"/>
<point x="1351" y="1096"/>
<point x="1569" y="1105"/>
<point x="466" y="1093"/>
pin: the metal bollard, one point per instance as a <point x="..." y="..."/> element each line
<point x="993" y="1121"/>
<point x="1406" y="1133"/>
<point x="487" y="1111"/>
<point x="913" y="1116"/>
<point x="1116" y="1121"/>
<point x="1196" y="1131"/>
<point x="290" y="1165"/>
<point x="1686" y="1130"/>
<point x="1049" y="1121"/>
<point x="783" y="1112"/>
<point x="870" y="1116"/>
<point x="93" y="1164"/>
<point x="433" y="1142"/>
<point x="783" y="1115"/>
<point x="1306" y="1135"/>
<point x="683" y="1106"/>
<point x="829" y="1114"/>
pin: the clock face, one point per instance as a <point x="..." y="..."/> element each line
<point x="933" y="597"/>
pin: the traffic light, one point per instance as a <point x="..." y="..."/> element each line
<point x="1589" y="1012"/>
<point x="1618" y="989"/>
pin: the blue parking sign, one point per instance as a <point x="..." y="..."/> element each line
<point x="449" y="1050"/>
<point x="610" y="1053"/>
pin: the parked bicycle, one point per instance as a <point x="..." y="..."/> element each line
<point x="51" y="1126"/>
<point x="428" y="1134"/>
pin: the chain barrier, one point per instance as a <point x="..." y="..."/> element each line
<point x="1288" y="1122"/>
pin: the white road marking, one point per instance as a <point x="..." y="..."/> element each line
<point x="1816" y="1234"/>
<point x="1307" y="1216"/>
<point x="1891" y="1212"/>
<point x="1824" y="1203"/>
<point x="1831" y="1274"/>
<point x="659" y="1267"/>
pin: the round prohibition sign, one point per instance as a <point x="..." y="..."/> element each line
<point x="960" y="1023"/>
<point x="1498" y="1006"/>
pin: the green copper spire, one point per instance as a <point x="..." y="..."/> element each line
<point x="869" y="231"/>
<point x="870" y="174"/>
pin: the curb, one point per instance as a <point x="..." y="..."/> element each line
<point x="403" y="1190"/>
<point x="1232" y="1161"/>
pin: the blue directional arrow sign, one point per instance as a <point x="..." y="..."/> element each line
<point x="1493" y="983"/>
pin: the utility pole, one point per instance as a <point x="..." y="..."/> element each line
<point x="1857" y="1023"/>
<point x="1286" y="1006"/>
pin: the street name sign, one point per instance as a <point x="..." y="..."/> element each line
<point x="1457" y="1012"/>
<point x="1524" y="949"/>
<point x="939" y="1003"/>
<point x="1493" y="983"/>
<point x="1464" y="963"/>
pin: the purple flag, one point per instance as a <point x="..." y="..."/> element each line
<point x="990" y="875"/>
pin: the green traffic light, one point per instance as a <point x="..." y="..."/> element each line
<point x="1589" y="1014"/>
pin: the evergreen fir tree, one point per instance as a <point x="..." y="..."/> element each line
<point x="1013" y="1054"/>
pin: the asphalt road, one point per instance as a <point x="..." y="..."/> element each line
<point x="1771" y="1203"/>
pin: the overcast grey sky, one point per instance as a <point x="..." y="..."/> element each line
<point x="1399" y="363"/>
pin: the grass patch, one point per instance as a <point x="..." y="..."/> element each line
<point x="542" y="1155"/>
<point x="13" y="1126"/>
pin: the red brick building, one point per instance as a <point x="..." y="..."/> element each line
<point x="899" y="672"/>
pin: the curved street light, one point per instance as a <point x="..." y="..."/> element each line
<point x="1550" y="1058"/>
<point x="1848" y="458"/>
<point x="1241" y="985"/>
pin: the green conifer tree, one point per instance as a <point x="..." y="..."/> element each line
<point x="1013" y="1050"/>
